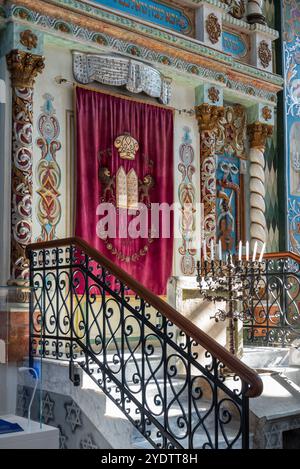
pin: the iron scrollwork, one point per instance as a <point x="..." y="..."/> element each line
<point x="265" y="296"/>
<point x="273" y="314"/>
<point x="150" y="369"/>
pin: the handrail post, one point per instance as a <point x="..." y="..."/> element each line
<point x="165" y="367"/>
<point x="87" y="296"/>
<point x="123" y="376"/>
<point x="143" y="363"/>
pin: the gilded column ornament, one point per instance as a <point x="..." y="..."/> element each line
<point x="214" y="94"/>
<point x="24" y="68"/>
<point x="113" y="70"/>
<point x="208" y="119"/>
<point x="266" y="113"/>
<point x="258" y="134"/>
<point x="264" y="54"/>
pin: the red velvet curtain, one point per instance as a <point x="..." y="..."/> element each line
<point x="101" y="119"/>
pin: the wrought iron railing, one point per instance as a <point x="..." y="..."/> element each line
<point x="271" y="305"/>
<point x="176" y="385"/>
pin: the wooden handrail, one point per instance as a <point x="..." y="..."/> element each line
<point x="234" y="364"/>
<point x="280" y="255"/>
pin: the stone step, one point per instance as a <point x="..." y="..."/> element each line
<point x="202" y="440"/>
<point x="265" y="357"/>
<point x="109" y="418"/>
<point x="175" y="414"/>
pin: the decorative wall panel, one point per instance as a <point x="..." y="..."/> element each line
<point x="231" y="136"/>
<point x="48" y="171"/>
<point x="228" y="202"/>
<point x="187" y="199"/>
<point x="235" y="44"/>
<point x="136" y="76"/>
<point x="231" y="141"/>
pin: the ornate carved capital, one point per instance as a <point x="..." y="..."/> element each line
<point x="258" y="134"/>
<point x="208" y="116"/>
<point x="24" y="68"/>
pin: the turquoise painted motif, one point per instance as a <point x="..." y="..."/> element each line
<point x="234" y="45"/>
<point x="154" y="12"/>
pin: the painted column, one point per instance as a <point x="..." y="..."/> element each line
<point x="24" y="68"/>
<point x="258" y="134"/>
<point x="208" y="117"/>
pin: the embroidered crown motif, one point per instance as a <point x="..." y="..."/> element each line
<point x="127" y="146"/>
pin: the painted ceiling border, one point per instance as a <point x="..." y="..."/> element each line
<point x="78" y="28"/>
<point x="179" y="42"/>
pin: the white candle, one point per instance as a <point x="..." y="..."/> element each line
<point x="240" y="250"/>
<point x="220" y="250"/>
<point x="254" y="252"/>
<point x="204" y="250"/>
<point x="212" y="254"/>
<point x="262" y="252"/>
<point x="247" y="251"/>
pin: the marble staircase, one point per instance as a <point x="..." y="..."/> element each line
<point x="272" y="415"/>
<point x="110" y="421"/>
